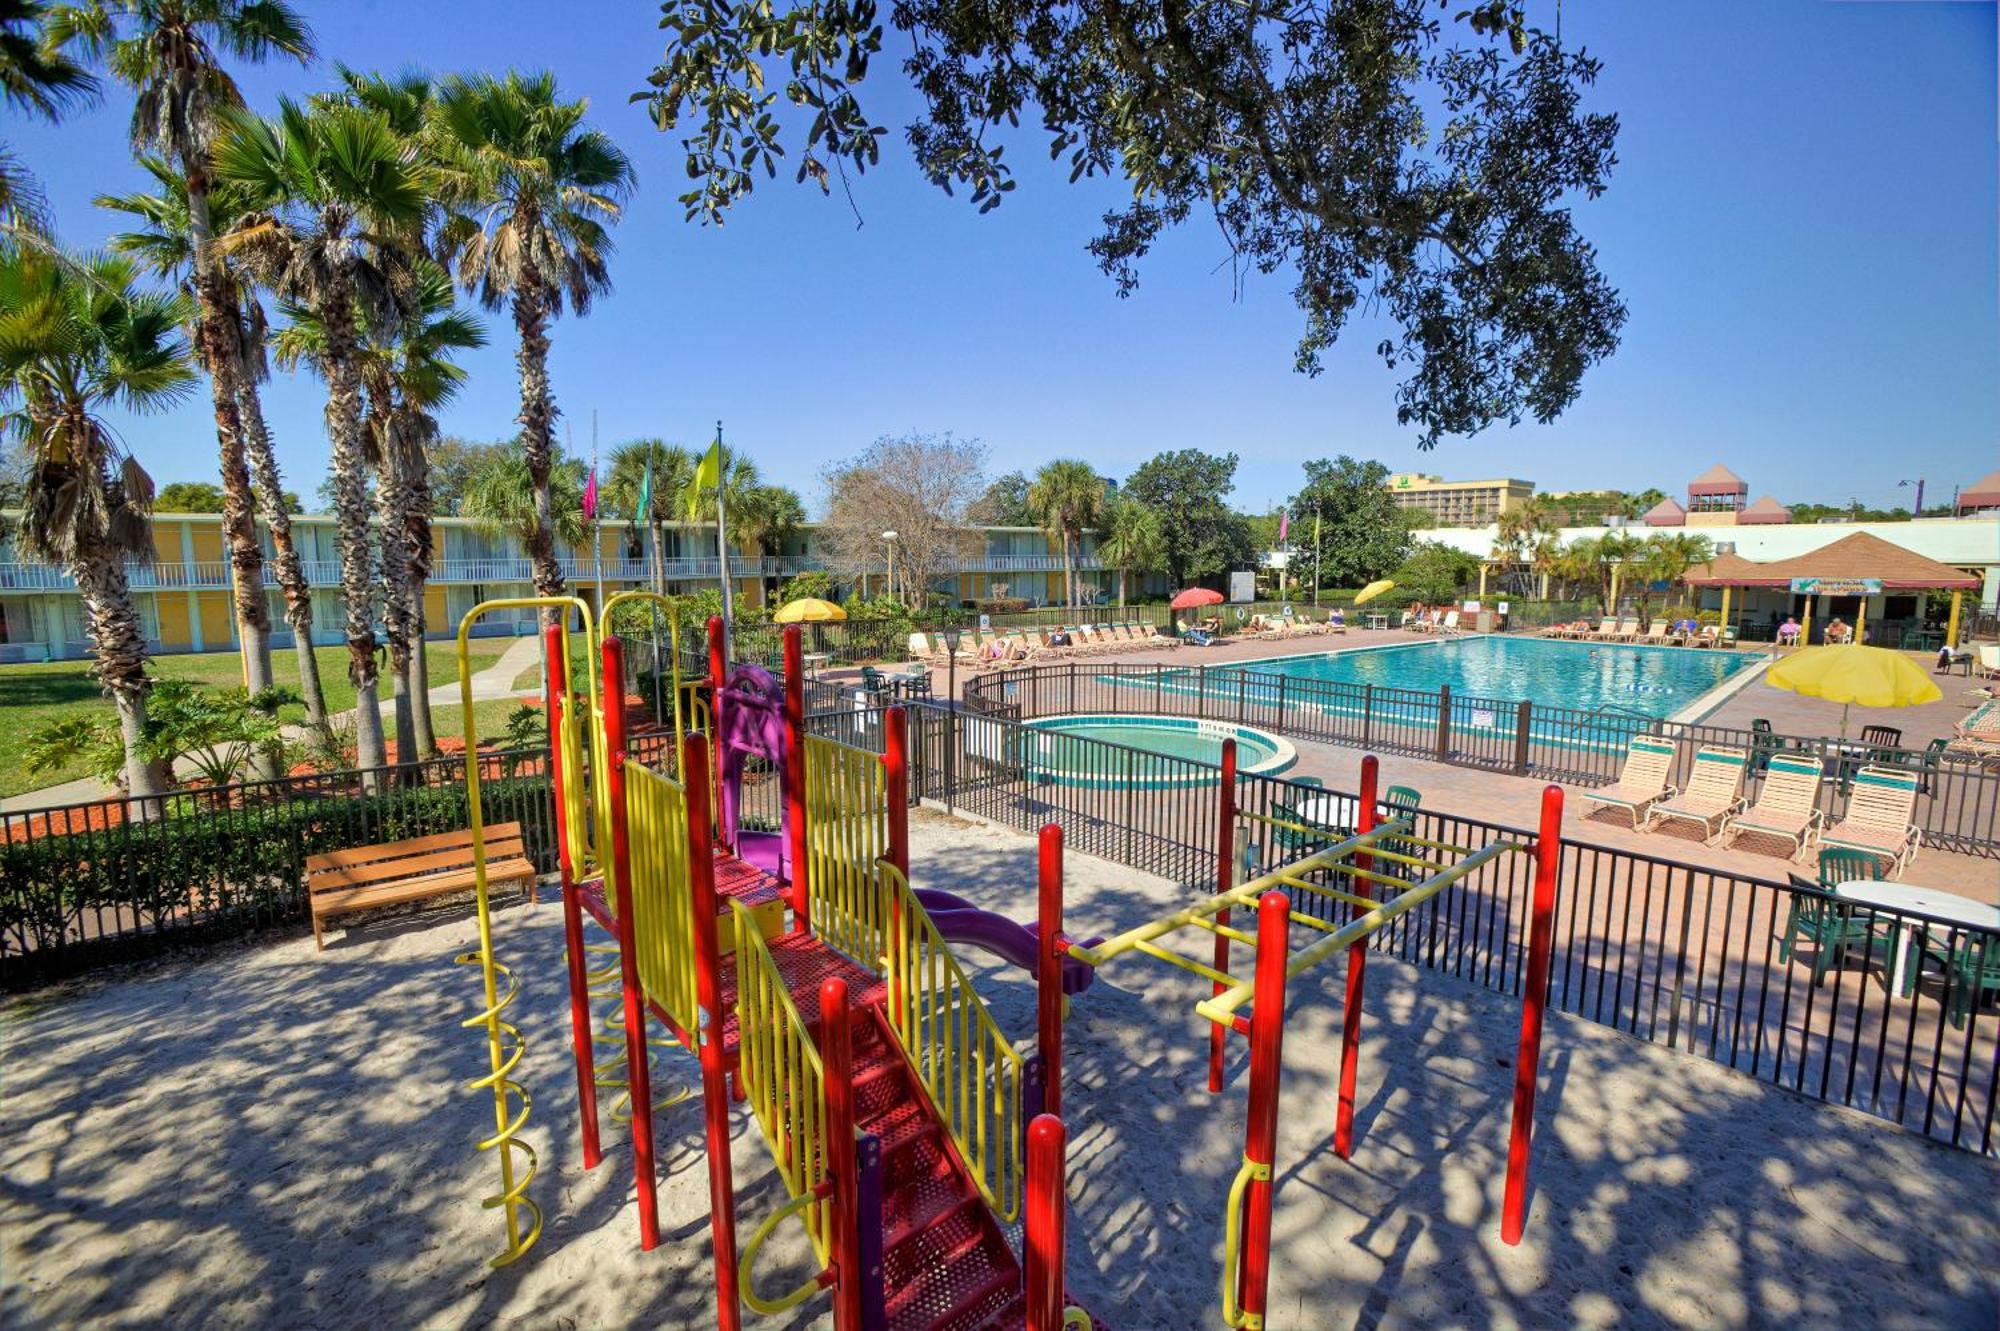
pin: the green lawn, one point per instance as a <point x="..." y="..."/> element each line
<point x="33" y="695"/>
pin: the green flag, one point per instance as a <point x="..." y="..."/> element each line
<point x="645" y="513"/>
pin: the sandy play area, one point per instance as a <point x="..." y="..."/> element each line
<point x="267" y="1137"/>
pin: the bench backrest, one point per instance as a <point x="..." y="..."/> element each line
<point x="1648" y="763"/>
<point x="1718" y="775"/>
<point x="1791" y="785"/>
<point x="443" y="852"/>
<point x="1883" y="798"/>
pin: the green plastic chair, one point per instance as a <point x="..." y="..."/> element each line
<point x="1972" y="969"/>
<point x="1827" y="922"/>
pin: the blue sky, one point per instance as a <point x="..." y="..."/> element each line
<point x="1802" y="224"/>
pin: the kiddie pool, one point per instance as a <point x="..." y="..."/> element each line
<point x="1051" y="750"/>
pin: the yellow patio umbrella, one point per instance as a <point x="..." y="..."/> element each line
<point x="809" y="610"/>
<point x="1871" y="676"/>
<point x="1373" y="590"/>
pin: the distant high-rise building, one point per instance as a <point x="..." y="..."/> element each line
<point x="1458" y="503"/>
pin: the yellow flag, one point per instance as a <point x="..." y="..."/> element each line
<point x="708" y="476"/>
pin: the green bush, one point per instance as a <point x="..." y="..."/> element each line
<point x="236" y="864"/>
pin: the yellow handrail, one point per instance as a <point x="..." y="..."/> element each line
<point x="504" y="1044"/>
<point x="847" y="831"/>
<point x="961" y="1057"/>
<point x="662" y="904"/>
<point x="783" y="1078"/>
<point x="746" y="1281"/>
<point x="1232" y="1244"/>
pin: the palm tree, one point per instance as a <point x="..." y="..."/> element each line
<point x="673" y="472"/>
<point x="166" y="51"/>
<point x="531" y="188"/>
<point x="500" y="500"/>
<point x="767" y="518"/>
<point x="341" y="193"/>
<point x="407" y="373"/>
<point x="1069" y="498"/>
<point x="165" y="246"/>
<point x="1131" y="540"/>
<point x="78" y="336"/>
<point x="37" y="79"/>
<point x="1666" y="558"/>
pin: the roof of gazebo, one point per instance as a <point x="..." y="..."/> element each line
<point x="1718" y="480"/>
<point x="1982" y="493"/>
<point x="1666" y="513"/>
<point x="1765" y="510"/>
<point x="1848" y="559"/>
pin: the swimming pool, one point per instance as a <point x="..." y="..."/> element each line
<point x="1051" y="750"/>
<point x="1581" y="676"/>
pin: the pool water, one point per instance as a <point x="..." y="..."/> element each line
<point x="1582" y="676"/>
<point x="1050" y="756"/>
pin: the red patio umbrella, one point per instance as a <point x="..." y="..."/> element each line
<point x="1195" y="596"/>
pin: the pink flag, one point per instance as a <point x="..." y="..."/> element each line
<point x="590" y="497"/>
<point x="1284" y="524"/>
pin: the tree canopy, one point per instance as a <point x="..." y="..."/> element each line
<point x="1386" y="159"/>
<point x="1361" y="532"/>
<point x="1188" y="490"/>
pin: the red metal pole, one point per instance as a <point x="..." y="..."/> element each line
<point x="795" y="777"/>
<point x="1225" y="878"/>
<point x="842" y="1167"/>
<point x="1534" y="994"/>
<point x="896" y="782"/>
<point x="1048" y="971"/>
<point x="555" y="704"/>
<point x="896" y="788"/>
<point x="1044" y="1223"/>
<point x="718" y="671"/>
<point x="708" y="1033"/>
<point x="1260" y="1144"/>
<point x="1357" y="962"/>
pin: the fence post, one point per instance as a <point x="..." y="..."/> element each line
<point x="795" y="779"/>
<point x="1444" y="723"/>
<point x="1534" y="995"/>
<point x="1357" y="961"/>
<point x="1523" y="724"/>
<point x="1225" y="868"/>
<point x="1367" y="714"/>
<point x="1278" y="717"/>
<point x="1043" y="1238"/>
<point x="1260" y="1145"/>
<point x="1048" y="967"/>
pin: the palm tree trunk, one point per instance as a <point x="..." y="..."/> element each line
<point x="417" y="537"/>
<point x="285" y="561"/>
<point x="1069" y="571"/>
<point x="1121" y="586"/>
<point x="343" y="425"/>
<point x="120" y="645"/>
<point x="537" y="419"/>
<point x="217" y="325"/>
<point x="391" y="518"/>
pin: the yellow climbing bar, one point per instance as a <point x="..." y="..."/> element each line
<point x="847" y="832"/>
<point x="1232" y="1243"/>
<point x="505" y="1046"/>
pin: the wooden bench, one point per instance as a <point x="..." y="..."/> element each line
<point x="342" y="882"/>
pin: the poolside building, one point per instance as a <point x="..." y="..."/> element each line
<point x="1982" y="496"/>
<point x="1874" y="587"/>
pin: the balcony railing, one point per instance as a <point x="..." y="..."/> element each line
<point x="209" y="575"/>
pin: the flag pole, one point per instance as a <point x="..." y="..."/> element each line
<point x="722" y="530"/>
<point x="1315" y="559"/>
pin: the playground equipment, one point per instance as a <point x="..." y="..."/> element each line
<point x="809" y="979"/>
<point x="1382" y="853"/>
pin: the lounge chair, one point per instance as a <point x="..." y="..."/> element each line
<point x="1449" y="627"/>
<point x="1787" y="806"/>
<point x="1880" y="818"/>
<point x="1649" y="761"/>
<point x="1606" y="630"/>
<point x="1627" y="631"/>
<point x="1714" y="792"/>
<point x="1656" y="633"/>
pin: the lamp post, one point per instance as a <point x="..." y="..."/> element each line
<point x="1916" y="509"/>
<point x="889" y="540"/>
<point x="952" y="635"/>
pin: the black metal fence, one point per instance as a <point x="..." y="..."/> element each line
<point x="1958" y="804"/>
<point x="1721" y="965"/>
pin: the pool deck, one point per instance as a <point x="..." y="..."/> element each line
<point x="1514" y="800"/>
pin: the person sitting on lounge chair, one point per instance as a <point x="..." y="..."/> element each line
<point x="1060" y="638"/>
<point x="1837" y="631"/>
<point x="1338" y="617"/>
<point x="1788" y="632"/>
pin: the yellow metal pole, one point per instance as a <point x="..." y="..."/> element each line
<point x="505" y="1046"/>
<point x="1805" y="625"/>
<point x="1951" y="628"/>
<point x="1861" y="621"/>
<point x="1722" y="625"/>
<point x="1482" y="579"/>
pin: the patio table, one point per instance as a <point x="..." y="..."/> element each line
<point x="1930" y="904"/>
<point x="1378" y="622"/>
<point x="813" y="661"/>
<point x="1336" y="813"/>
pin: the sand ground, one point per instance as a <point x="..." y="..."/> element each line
<point x="269" y="1137"/>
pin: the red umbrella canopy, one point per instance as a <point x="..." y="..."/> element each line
<point x="1195" y="596"/>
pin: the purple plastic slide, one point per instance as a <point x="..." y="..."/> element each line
<point x="962" y="922"/>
